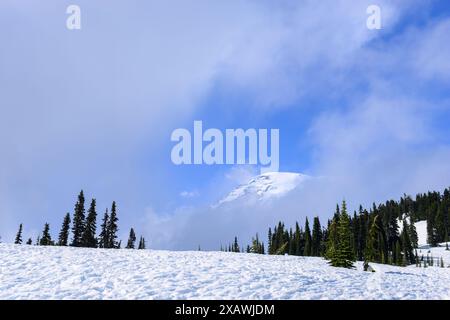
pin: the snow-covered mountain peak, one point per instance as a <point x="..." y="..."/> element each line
<point x="265" y="186"/>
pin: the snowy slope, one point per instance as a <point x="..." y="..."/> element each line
<point x="265" y="186"/>
<point x="31" y="272"/>
<point x="421" y="229"/>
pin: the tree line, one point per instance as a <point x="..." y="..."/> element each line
<point x="370" y="235"/>
<point x="84" y="229"/>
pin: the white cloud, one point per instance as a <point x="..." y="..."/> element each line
<point x="189" y="194"/>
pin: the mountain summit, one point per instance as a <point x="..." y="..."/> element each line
<point x="265" y="186"/>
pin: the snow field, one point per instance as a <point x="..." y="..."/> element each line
<point x="35" y="272"/>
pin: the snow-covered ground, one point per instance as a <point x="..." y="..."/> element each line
<point x="33" y="272"/>
<point x="421" y="229"/>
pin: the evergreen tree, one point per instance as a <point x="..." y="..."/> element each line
<point x="269" y="242"/>
<point x="392" y="233"/>
<point x="46" y="239"/>
<point x="29" y="242"/>
<point x="409" y="256"/>
<point x="103" y="237"/>
<point x="431" y="226"/>
<point x="332" y="242"/>
<point x="343" y="255"/>
<point x="88" y="238"/>
<point x="376" y="246"/>
<point x="131" y="239"/>
<point x="316" y="238"/>
<point x="397" y="254"/>
<point x="256" y="246"/>
<point x="413" y="235"/>
<point x="308" y="240"/>
<point x="112" y="227"/>
<point x="18" y="239"/>
<point x="78" y="221"/>
<point x="142" y="244"/>
<point x="236" y="245"/>
<point x="63" y="237"/>
<point x="298" y="240"/>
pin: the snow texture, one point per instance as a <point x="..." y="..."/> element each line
<point x="266" y="186"/>
<point x="36" y="272"/>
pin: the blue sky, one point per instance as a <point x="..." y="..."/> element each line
<point x="94" y="108"/>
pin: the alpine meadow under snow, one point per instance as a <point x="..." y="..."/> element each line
<point x="51" y="272"/>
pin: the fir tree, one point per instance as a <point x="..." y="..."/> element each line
<point x="18" y="239"/>
<point x="406" y="243"/>
<point x="78" y="221"/>
<point x="431" y="226"/>
<point x="269" y="242"/>
<point x="413" y="234"/>
<point x="308" y="241"/>
<point x="298" y="240"/>
<point x="142" y="244"/>
<point x="88" y="238"/>
<point x="332" y="242"/>
<point x="236" y="245"/>
<point x="63" y="237"/>
<point x="316" y="238"/>
<point x="398" y="254"/>
<point x="131" y="239"/>
<point x="112" y="228"/>
<point x="256" y="246"/>
<point x="29" y="242"/>
<point x="392" y="233"/>
<point x="103" y="237"/>
<point x="376" y="248"/>
<point x="343" y="255"/>
<point x="46" y="239"/>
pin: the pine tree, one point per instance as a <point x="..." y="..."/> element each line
<point x="78" y="221"/>
<point x="406" y="243"/>
<point x="46" y="239"/>
<point x="88" y="238"/>
<point x="236" y="245"/>
<point x="392" y="233"/>
<point x="63" y="237"/>
<point x="413" y="234"/>
<point x="18" y="239"/>
<point x="131" y="239"/>
<point x="103" y="237"/>
<point x="343" y="255"/>
<point x="431" y="226"/>
<point x="308" y="241"/>
<point x="256" y="246"/>
<point x="29" y="242"/>
<point x="332" y="242"/>
<point x="398" y="254"/>
<point x="112" y="227"/>
<point x="316" y="238"/>
<point x="142" y="244"/>
<point x="269" y="242"/>
<point x="376" y="248"/>
<point x="298" y="240"/>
